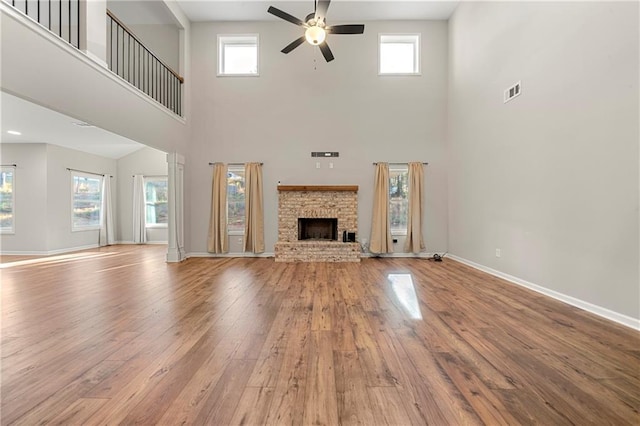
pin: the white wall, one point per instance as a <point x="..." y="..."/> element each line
<point x="30" y="190"/>
<point x="146" y="161"/>
<point x="43" y="197"/>
<point x="59" y="234"/>
<point x="550" y="178"/>
<point x="300" y="104"/>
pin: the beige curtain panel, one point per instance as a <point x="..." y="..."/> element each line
<point x="381" y="241"/>
<point x="414" y="242"/>
<point x="139" y="211"/>
<point x="254" y="209"/>
<point x="218" y="239"/>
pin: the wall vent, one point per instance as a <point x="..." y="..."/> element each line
<point x="512" y="92"/>
<point x="325" y="154"/>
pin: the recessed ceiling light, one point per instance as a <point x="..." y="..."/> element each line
<point x="14" y="132"/>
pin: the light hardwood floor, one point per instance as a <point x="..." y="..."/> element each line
<point x="116" y="335"/>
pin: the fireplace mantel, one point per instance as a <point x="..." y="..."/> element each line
<point x="353" y="188"/>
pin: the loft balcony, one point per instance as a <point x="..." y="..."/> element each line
<point x="110" y="42"/>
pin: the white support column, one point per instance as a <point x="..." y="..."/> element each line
<point x="175" y="251"/>
<point x="93" y="29"/>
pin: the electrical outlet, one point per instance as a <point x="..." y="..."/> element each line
<point x="318" y="165"/>
<point x="498" y="252"/>
<point x="331" y="165"/>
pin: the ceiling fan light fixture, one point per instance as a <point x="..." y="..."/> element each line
<point x="315" y="35"/>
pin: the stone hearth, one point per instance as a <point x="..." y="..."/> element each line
<point x="316" y="201"/>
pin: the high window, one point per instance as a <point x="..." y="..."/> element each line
<point x="86" y="201"/>
<point x="399" y="54"/>
<point x="238" y="55"/>
<point x="235" y="200"/>
<point x="7" y="200"/>
<point x="156" y="201"/>
<point x="398" y="203"/>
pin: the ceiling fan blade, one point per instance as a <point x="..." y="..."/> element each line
<point x="321" y="9"/>
<point x="284" y="15"/>
<point x="295" y="43"/>
<point x="346" y="29"/>
<point x="326" y="52"/>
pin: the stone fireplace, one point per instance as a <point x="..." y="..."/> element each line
<point x="311" y="223"/>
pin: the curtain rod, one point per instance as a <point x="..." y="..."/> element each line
<point x="398" y="163"/>
<point x="234" y="164"/>
<point x="89" y="173"/>
<point x="8" y="165"/>
<point x="151" y="175"/>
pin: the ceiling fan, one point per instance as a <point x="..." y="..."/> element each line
<point x="316" y="28"/>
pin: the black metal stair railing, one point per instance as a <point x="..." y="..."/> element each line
<point x="61" y="17"/>
<point x="131" y="60"/>
<point x="127" y="56"/>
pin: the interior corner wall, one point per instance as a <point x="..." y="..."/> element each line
<point x="300" y="104"/>
<point x="550" y="178"/>
<point x="30" y="192"/>
<point x="145" y="161"/>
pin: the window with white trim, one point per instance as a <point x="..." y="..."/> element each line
<point x="399" y="54"/>
<point x="235" y="200"/>
<point x="238" y="55"/>
<point x="7" y="200"/>
<point x="156" y="191"/>
<point x="86" y="201"/>
<point x="398" y="201"/>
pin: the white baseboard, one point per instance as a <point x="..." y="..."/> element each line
<point x="49" y="252"/>
<point x="399" y="255"/>
<point x="587" y="306"/>
<point x="200" y="254"/>
<point x="269" y="254"/>
<point x="141" y="244"/>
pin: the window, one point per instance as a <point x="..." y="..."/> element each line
<point x="399" y="54"/>
<point x="87" y="201"/>
<point x="238" y="55"/>
<point x="235" y="200"/>
<point x="398" y="204"/>
<point x="156" y="192"/>
<point x="7" y="200"/>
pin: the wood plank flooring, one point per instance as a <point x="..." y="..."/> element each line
<point x="117" y="336"/>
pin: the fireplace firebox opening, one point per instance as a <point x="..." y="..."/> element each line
<point x="318" y="229"/>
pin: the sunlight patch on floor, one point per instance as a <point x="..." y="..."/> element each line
<point x="55" y="259"/>
<point x="402" y="286"/>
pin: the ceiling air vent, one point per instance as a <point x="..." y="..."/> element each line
<point x="512" y="92"/>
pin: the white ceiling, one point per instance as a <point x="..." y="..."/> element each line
<point x="42" y="125"/>
<point x="339" y="10"/>
<point x="156" y="12"/>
